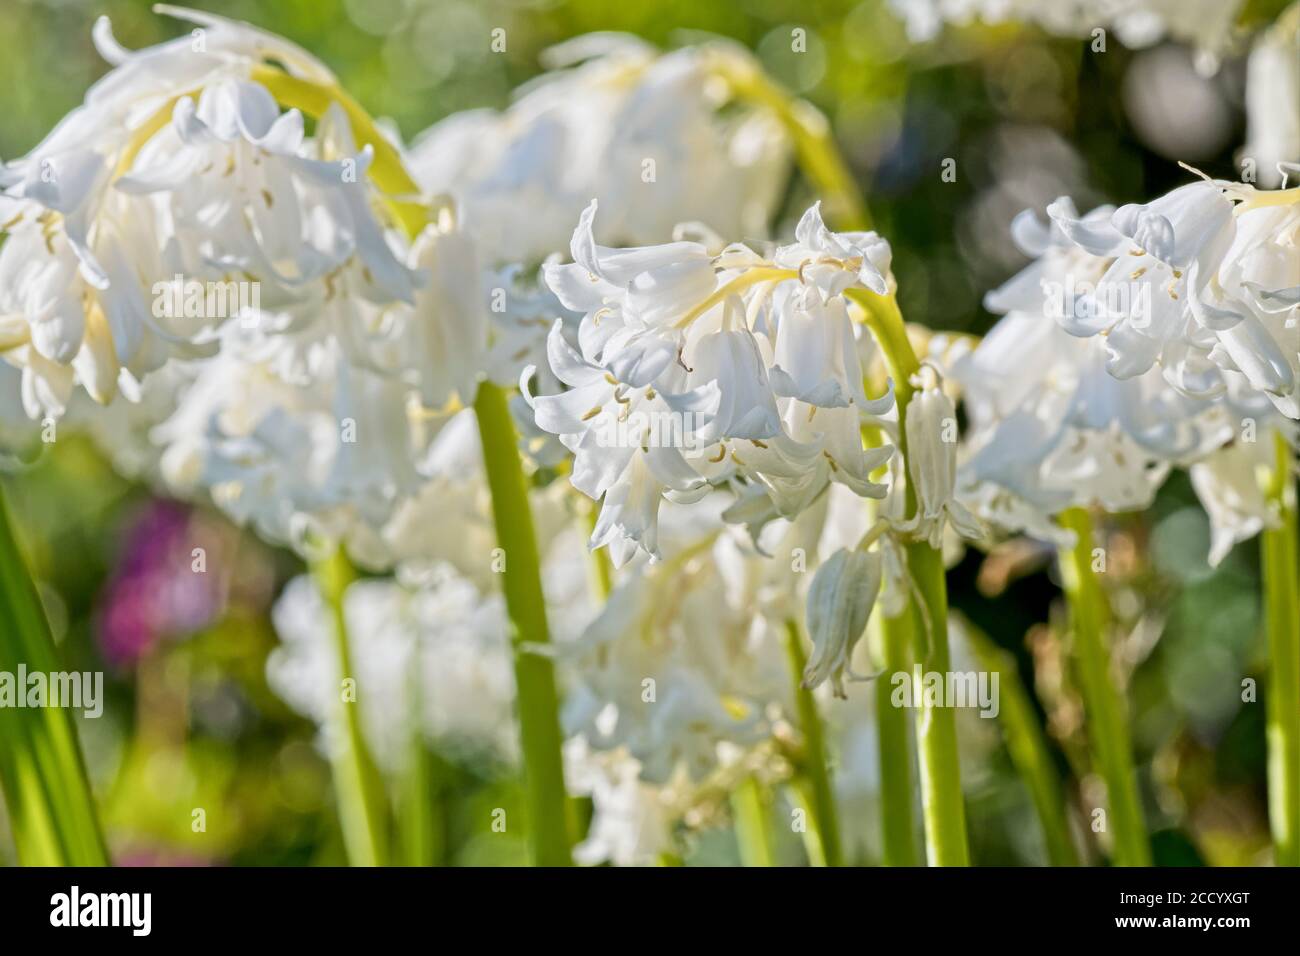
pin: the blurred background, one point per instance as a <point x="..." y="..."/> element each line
<point x="190" y="720"/>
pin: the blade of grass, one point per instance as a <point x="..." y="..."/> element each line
<point x="44" y="778"/>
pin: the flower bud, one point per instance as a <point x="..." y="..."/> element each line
<point x="840" y="599"/>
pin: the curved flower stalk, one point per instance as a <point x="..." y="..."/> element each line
<point x="808" y="129"/>
<point x="194" y="162"/>
<point x="1055" y="437"/>
<point x="80" y="253"/>
<point x="534" y="678"/>
<point x="923" y="582"/>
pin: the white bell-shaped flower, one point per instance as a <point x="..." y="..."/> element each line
<point x="834" y="261"/>
<point x="1227" y="483"/>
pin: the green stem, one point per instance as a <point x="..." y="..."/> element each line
<point x="534" y="674"/>
<point x="811" y="133"/>
<point x="1282" y="617"/>
<point x="538" y="701"/>
<point x="897" y="813"/>
<point x="750" y="814"/>
<point x="42" y="774"/>
<point x="1028" y="747"/>
<point x="419" y="796"/>
<point x="816" y="767"/>
<point x="936" y="726"/>
<point x="1108" y="733"/>
<point x="600" y="572"/>
<point x="883" y="318"/>
<point x="357" y="783"/>
<point x="418" y="804"/>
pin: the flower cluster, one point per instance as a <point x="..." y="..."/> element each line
<point x="1141" y="338"/>
<point x="697" y="369"/>
<point x="180" y="166"/>
<point x="288" y="337"/>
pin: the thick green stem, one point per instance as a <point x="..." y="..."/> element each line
<point x="358" y="786"/>
<point x="1108" y="733"/>
<point x="534" y="674"/>
<point x="816" y="766"/>
<point x="936" y="726"/>
<point x="882" y="317"/>
<point x="1282" y="619"/>
<point x="750" y="815"/>
<point x="537" y="699"/>
<point x="897" y="811"/>
<point x="1028" y="747"/>
<point x="42" y="774"/>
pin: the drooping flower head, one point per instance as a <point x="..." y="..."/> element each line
<point x="695" y="370"/>
<point x="181" y="170"/>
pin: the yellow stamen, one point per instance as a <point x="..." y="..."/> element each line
<point x="743" y="281"/>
